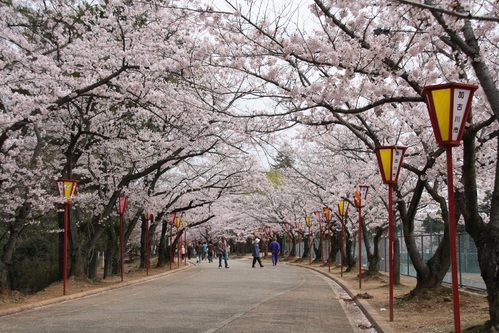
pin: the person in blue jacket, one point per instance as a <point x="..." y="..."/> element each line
<point x="275" y="248"/>
<point x="256" y="252"/>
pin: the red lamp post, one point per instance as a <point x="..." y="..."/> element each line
<point x="185" y="242"/>
<point x="342" y="210"/>
<point x="66" y="189"/>
<point x="120" y="209"/>
<point x="148" y="217"/>
<point x="172" y="222"/>
<point x="389" y="161"/>
<point x="359" y="196"/>
<point x="307" y="221"/>
<point x="178" y="222"/>
<point x="449" y="106"/>
<point x="326" y="212"/>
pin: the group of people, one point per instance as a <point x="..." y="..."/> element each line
<point x="205" y="251"/>
<point x="274" y="248"/>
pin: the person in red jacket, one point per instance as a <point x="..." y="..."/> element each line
<point x="211" y="248"/>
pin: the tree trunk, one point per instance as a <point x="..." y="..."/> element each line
<point x="306" y="248"/>
<point x="111" y="254"/>
<point x="93" y="265"/>
<point x="350" y="261"/>
<point x="485" y="235"/>
<point x="6" y="269"/>
<point x="396" y="261"/>
<point x="162" y="247"/>
<point x="374" y="257"/>
<point x="488" y="258"/>
<point x="335" y="245"/>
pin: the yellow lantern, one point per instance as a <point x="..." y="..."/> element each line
<point x="449" y="106"/>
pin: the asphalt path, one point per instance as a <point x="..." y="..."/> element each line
<point x="204" y="298"/>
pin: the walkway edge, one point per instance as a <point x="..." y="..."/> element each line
<point x="92" y="292"/>
<point x="378" y="323"/>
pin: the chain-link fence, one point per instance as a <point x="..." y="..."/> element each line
<point x="467" y="257"/>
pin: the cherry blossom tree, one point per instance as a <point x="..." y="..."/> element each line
<point x="363" y="65"/>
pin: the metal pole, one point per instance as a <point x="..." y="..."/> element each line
<point x="452" y="235"/>
<point x="321" y="245"/>
<point x="179" y="247"/>
<point x="147" y="246"/>
<point x="309" y="248"/>
<point x="390" y="244"/>
<point x="185" y="247"/>
<point x="121" y="247"/>
<point x="360" y="247"/>
<point x="171" y="245"/>
<point x="329" y="245"/>
<point x="341" y="243"/>
<point x="65" y="247"/>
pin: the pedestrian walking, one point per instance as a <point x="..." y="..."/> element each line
<point x="190" y="249"/>
<point x="275" y="249"/>
<point x="183" y="252"/>
<point x="199" y="252"/>
<point x="205" y="250"/>
<point x="256" y="252"/>
<point x="222" y="252"/>
<point x="211" y="248"/>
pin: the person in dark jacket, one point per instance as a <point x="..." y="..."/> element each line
<point x="275" y="248"/>
<point x="256" y="253"/>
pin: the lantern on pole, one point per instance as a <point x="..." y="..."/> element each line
<point x="449" y="105"/>
<point x="390" y="161"/>
<point x="121" y="204"/>
<point x="147" y="217"/>
<point x="342" y="210"/>
<point x="178" y="222"/>
<point x="66" y="189"/>
<point x="359" y="196"/>
<point x="326" y="213"/>
<point x="308" y="223"/>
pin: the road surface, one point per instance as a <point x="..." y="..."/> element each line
<point x="204" y="299"/>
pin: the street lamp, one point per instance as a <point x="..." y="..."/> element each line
<point x="120" y="209"/>
<point x="389" y="161"/>
<point x="66" y="189"/>
<point x="359" y="196"/>
<point x="147" y="217"/>
<point x="307" y="222"/>
<point x="327" y="217"/>
<point x="342" y="210"/>
<point x="449" y="105"/>
<point x="186" y="224"/>
<point x="178" y="222"/>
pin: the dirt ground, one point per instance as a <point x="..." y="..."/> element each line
<point x="428" y="313"/>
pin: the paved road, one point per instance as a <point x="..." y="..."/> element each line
<point x="203" y="299"/>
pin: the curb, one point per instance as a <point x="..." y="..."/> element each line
<point x="84" y="294"/>
<point x="378" y="323"/>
